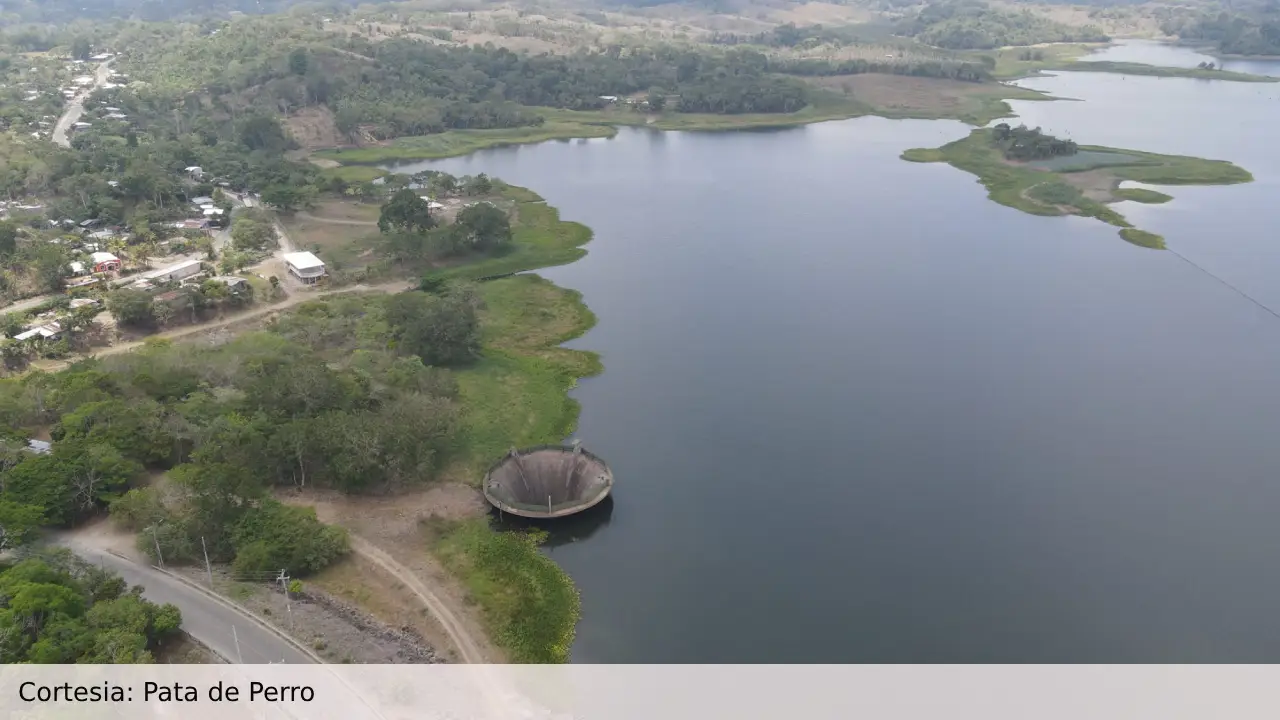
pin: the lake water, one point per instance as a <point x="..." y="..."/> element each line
<point x="858" y="412"/>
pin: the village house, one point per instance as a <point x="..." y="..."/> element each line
<point x="104" y="262"/>
<point x="174" y="273"/>
<point x="48" y="331"/>
<point x="200" y="224"/>
<point x="305" y="266"/>
<point x="233" y="283"/>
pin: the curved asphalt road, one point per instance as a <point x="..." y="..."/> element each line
<point x="204" y="617"/>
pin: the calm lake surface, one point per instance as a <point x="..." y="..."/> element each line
<point x="860" y="413"/>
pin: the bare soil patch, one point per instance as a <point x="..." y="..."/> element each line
<point x="313" y="128"/>
<point x="392" y="525"/>
<point x="334" y="629"/>
<point x="816" y="13"/>
<point x="1095" y="184"/>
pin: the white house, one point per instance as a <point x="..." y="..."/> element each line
<point x="195" y="171"/>
<point x="305" y="266"/>
<point x="78" y="269"/>
<point x="175" y="272"/>
<point x="50" y="331"/>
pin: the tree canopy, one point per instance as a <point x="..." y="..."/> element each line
<point x="57" y="609"/>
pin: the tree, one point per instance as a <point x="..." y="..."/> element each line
<point x="8" y="239"/>
<point x="405" y="212"/>
<point x="51" y="267"/>
<point x="298" y="61"/>
<point x="132" y="307"/>
<point x="287" y="197"/>
<point x="58" y="609"/>
<point x="249" y="233"/>
<point x="263" y="132"/>
<point x="478" y="185"/>
<point x="657" y="100"/>
<point x="274" y="535"/>
<point x="17" y="523"/>
<point x="440" y="330"/>
<point x="81" y="49"/>
<point x="487" y="228"/>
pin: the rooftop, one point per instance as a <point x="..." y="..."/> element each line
<point x="303" y="260"/>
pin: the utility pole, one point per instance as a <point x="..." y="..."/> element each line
<point x="156" y="537"/>
<point x="288" y="606"/>
<point x="207" y="566"/>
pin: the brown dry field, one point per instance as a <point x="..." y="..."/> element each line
<point x="314" y="128"/>
<point x="1095" y="184"/>
<point x="820" y="13"/>
<point x="908" y="93"/>
<point x="336" y="226"/>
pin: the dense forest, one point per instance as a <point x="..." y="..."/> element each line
<point x="58" y="11"/>
<point x="55" y="608"/>
<point x="1256" y="33"/>
<point x="1023" y="143"/>
<point x="973" y="24"/>
<point x="349" y="394"/>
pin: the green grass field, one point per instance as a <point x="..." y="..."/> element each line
<point x="528" y="604"/>
<point x="1132" y="68"/>
<point x="1045" y="192"/>
<point x="1142" y="238"/>
<point x="1083" y="160"/>
<point x="1142" y="195"/>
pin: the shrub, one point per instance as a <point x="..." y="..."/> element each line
<point x="274" y="536"/>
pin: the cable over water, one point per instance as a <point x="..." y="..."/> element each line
<point x="1238" y="291"/>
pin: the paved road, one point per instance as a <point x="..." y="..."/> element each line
<point x="24" y="305"/>
<point x="75" y="108"/>
<point x="206" y="619"/>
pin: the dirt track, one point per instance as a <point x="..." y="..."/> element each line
<point x="466" y="645"/>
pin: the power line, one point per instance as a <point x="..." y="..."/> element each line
<point x="1237" y="290"/>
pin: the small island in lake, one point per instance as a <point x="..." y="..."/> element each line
<point x="1037" y="173"/>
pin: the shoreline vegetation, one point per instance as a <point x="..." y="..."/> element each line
<point x="833" y="98"/>
<point x="518" y="394"/>
<point x="975" y="104"/>
<point x="1136" y="68"/>
<point x="1084" y="183"/>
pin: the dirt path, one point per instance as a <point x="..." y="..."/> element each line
<point x="467" y="646"/>
<point x="75" y="108"/>
<point x="178" y="333"/>
<point x="23" y="305"/>
<point x="335" y="221"/>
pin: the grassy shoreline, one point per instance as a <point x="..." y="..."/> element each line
<point x="572" y="124"/>
<point x="518" y="394"/>
<point x="1135" y="68"/>
<point x="1084" y="187"/>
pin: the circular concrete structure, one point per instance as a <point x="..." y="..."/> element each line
<point x="547" y="481"/>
